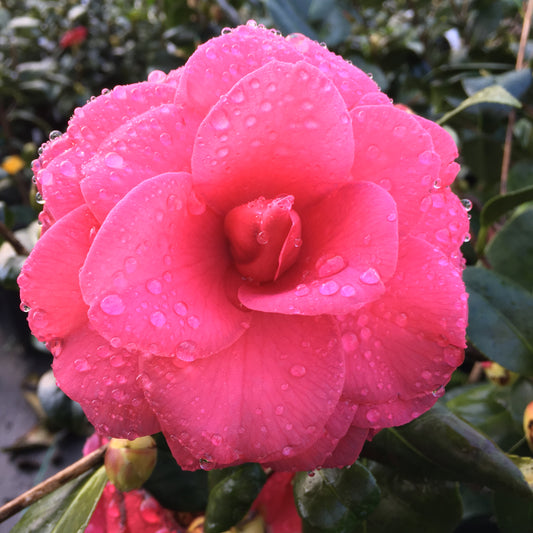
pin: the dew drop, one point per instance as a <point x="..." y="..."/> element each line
<point x="117" y="360"/>
<point x="54" y="134"/>
<point x="370" y="277"/>
<point x="329" y="266"/>
<point x="279" y="410"/>
<point x="467" y="204"/>
<point x="180" y="308"/>
<point x="114" y="160"/>
<point x="130" y="264"/>
<point x="349" y="341"/>
<point x="391" y="217"/>
<point x="328" y="288"/>
<point x="426" y="375"/>
<point x="287" y="451"/>
<point x="194" y="322"/>
<point x="156" y="76"/>
<point x="301" y="290"/>
<point x="39" y="198"/>
<point x="154" y="286"/>
<point x="298" y="371"/>
<point x="112" y="305"/>
<point x="68" y="169"/>
<point x="401" y="320"/>
<point x="158" y="319"/>
<point x="216" y="440"/>
<point x="165" y="139"/>
<point x="373" y="416"/>
<point x="81" y="365"/>
<point x="116" y="342"/>
<point x="219" y="120"/>
<point x="373" y="151"/>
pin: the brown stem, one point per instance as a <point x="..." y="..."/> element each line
<point x="9" y="236"/>
<point x="91" y="460"/>
<point x="507" y="147"/>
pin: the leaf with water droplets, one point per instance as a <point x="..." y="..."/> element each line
<point x="441" y="443"/>
<point x="232" y="493"/>
<point x="494" y="94"/>
<point x="335" y="500"/>
<point x="69" y="508"/>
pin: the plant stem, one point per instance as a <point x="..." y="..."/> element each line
<point x="9" y="236"/>
<point x="52" y="483"/>
<point x="512" y="115"/>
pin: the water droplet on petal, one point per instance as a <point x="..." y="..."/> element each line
<point x="114" y="160"/>
<point x="81" y="365"/>
<point x="329" y="266"/>
<point x="349" y="341"/>
<point x="219" y="120"/>
<point x="347" y="290"/>
<point x="287" y="451"/>
<point x="112" y="305"/>
<point x="298" y="371"/>
<point x="154" y="286"/>
<point x="328" y="288"/>
<point x="301" y="290"/>
<point x="193" y="321"/>
<point x="216" y="440"/>
<point x="158" y="319"/>
<point x="180" y="309"/>
<point x="467" y="204"/>
<point x="373" y="415"/>
<point x="370" y="277"/>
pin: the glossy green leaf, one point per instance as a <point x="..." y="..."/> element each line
<point x="413" y="505"/>
<point x="231" y="496"/>
<point x="335" y="500"/>
<point x="173" y="487"/>
<point x="291" y="16"/>
<point x="510" y="252"/>
<point x="440" y="444"/>
<point x="69" y="508"/>
<point x="500" y="324"/>
<point x="497" y="207"/>
<point x="494" y="94"/>
<point x="487" y="407"/>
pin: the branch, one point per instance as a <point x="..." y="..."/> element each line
<point x="9" y="236"/>
<point x="52" y="483"/>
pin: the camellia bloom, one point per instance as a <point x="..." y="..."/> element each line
<point x="257" y="254"/>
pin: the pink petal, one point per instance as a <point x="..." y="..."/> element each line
<point x="101" y="116"/>
<point x="265" y="398"/>
<point x="104" y="381"/>
<point x="444" y="223"/>
<point x="59" y="182"/>
<point x="155" y="142"/>
<point x="49" y="282"/>
<point x="283" y="129"/>
<point x="350" y="246"/>
<point x="218" y="64"/>
<point x="319" y="452"/>
<point x="348" y="448"/>
<point x="407" y="344"/>
<point x="352" y="83"/>
<point x="394" y="151"/>
<point x="445" y="146"/>
<point x="155" y="275"/>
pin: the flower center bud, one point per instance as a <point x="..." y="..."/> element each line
<point x="265" y="237"/>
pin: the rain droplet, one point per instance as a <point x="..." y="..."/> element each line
<point x="216" y="440"/>
<point x="39" y="198"/>
<point x="180" y="309"/>
<point x="370" y="277"/>
<point x="154" y="286"/>
<point x="117" y="360"/>
<point x="328" y="288"/>
<point x="158" y="319"/>
<point x="373" y="151"/>
<point x="262" y="237"/>
<point x="112" y="305"/>
<point x="193" y="321"/>
<point x="347" y="290"/>
<point x="81" y="365"/>
<point x="219" y="120"/>
<point x="54" y="134"/>
<point x="349" y="341"/>
<point x="298" y="371"/>
<point x="467" y="204"/>
<point x="114" y="160"/>
<point x="401" y="319"/>
<point x="373" y="416"/>
<point x="287" y="451"/>
<point x="130" y="264"/>
<point x="330" y="266"/>
<point x="301" y="290"/>
<point x="165" y="139"/>
<point x="68" y="169"/>
<point x="279" y="410"/>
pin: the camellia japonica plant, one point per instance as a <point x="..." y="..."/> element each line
<point x="256" y="254"/>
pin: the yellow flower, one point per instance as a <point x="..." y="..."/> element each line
<point x="13" y="164"/>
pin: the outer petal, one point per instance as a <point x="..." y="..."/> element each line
<point x="408" y="343"/>
<point x="444" y="223"/>
<point x="349" y="447"/>
<point x="49" y="277"/>
<point x="93" y="122"/>
<point x="258" y="139"/>
<point x="446" y="148"/>
<point x="352" y="83"/>
<point x="350" y="246"/>
<point x="155" y="274"/>
<point x="394" y="151"/>
<point x="319" y="452"/>
<point x="155" y="142"/>
<point x="104" y="381"/>
<point x="276" y="388"/>
<point x="217" y="65"/>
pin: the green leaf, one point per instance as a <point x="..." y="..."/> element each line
<point x="233" y="492"/>
<point x="413" y="505"/>
<point x="69" y="508"/>
<point x="497" y="207"/>
<point x="510" y="252"/>
<point x="174" y="488"/>
<point x="500" y="324"/>
<point x="440" y="443"/>
<point x="335" y="500"/>
<point x="290" y="16"/>
<point x="494" y="94"/>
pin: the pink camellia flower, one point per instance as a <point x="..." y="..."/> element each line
<point x="257" y="254"/>
<point x="73" y="37"/>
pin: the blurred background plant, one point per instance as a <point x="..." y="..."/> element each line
<point x="429" y="55"/>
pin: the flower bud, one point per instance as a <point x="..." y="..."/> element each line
<point x="129" y="463"/>
<point x="498" y="374"/>
<point x="528" y="425"/>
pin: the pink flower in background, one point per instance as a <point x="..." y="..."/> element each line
<point x="257" y="254"/>
<point x="73" y="37"/>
